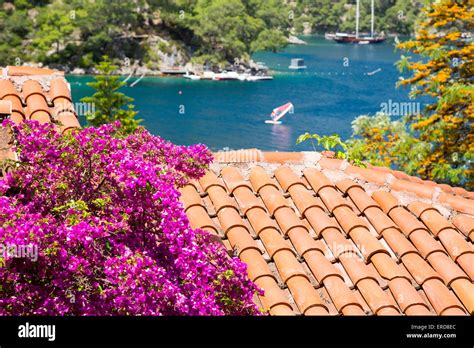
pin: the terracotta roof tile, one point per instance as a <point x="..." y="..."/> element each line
<point x="190" y="197"/>
<point x="386" y="201"/>
<point x="408" y="298"/>
<point x="30" y="71"/>
<point x="273" y="242"/>
<point x="5" y="108"/>
<point x="303" y="242"/>
<point x="466" y="261"/>
<point x="446" y="268"/>
<point x="368" y="244"/>
<point x="274" y="298"/>
<point x="257" y="267"/>
<point x="425" y="243"/>
<point x="25" y="94"/>
<point x="240" y="239"/>
<point x="465" y="224"/>
<point x="59" y="89"/>
<point x="67" y="122"/>
<point x="260" y="179"/>
<point x="418" y="188"/>
<point x="288" y="220"/>
<point x="316" y="179"/>
<point x="443" y="301"/>
<point x="398" y="243"/>
<point x="464" y="290"/>
<point x="402" y="217"/>
<point x="340" y="242"/>
<point x="455" y="244"/>
<point x="380" y="302"/>
<point x="220" y="199"/>
<point x="357" y="195"/>
<point x="388" y="268"/>
<point x="209" y="180"/>
<point x="371" y="175"/>
<point x="332" y="199"/>
<point x="233" y="179"/>
<point x="199" y="218"/>
<point x="260" y="221"/>
<point x="30" y="88"/>
<point x="287" y="178"/>
<point x="420" y="270"/>
<point x="463" y="205"/>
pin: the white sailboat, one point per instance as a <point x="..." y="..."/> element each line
<point x="351" y="38"/>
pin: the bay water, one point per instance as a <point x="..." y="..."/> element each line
<point x="341" y="82"/>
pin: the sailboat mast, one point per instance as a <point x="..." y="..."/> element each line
<point x="372" y="23"/>
<point x="357" y="18"/>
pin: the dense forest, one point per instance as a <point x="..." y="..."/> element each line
<point x="153" y="33"/>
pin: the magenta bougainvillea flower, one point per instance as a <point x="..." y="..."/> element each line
<point x="102" y="212"/>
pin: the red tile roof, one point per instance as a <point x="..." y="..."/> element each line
<point x="319" y="235"/>
<point x="33" y="93"/>
<point x="323" y="237"/>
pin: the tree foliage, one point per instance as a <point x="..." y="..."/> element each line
<point x="438" y="143"/>
<point x="395" y="16"/>
<point x="77" y="33"/>
<point x="109" y="104"/>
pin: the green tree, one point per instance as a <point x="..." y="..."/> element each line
<point x="55" y="27"/>
<point x="108" y="102"/>
<point x="224" y="28"/>
<point x="437" y="143"/>
<point x="269" y="40"/>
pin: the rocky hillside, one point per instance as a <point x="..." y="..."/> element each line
<point x="143" y="36"/>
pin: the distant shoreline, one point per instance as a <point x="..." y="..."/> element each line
<point x="158" y="73"/>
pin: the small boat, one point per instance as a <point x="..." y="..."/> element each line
<point x="193" y="76"/>
<point x="208" y="75"/>
<point x="174" y="70"/>
<point x="226" y="76"/>
<point x="355" y="38"/>
<point x="297" y="64"/>
<point x="329" y="36"/>
<point x="259" y="77"/>
<point x="279" y="112"/>
<point x="370" y="73"/>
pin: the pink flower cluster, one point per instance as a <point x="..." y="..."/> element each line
<point x="103" y="212"/>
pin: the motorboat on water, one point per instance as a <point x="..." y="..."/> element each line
<point x="259" y="77"/>
<point x="279" y="112"/>
<point x="208" y="75"/>
<point x="191" y="76"/>
<point x="226" y="75"/>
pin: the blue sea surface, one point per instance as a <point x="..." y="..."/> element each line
<point x="327" y="96"/>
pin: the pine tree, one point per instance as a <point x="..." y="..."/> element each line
<point x="110" y="104"/>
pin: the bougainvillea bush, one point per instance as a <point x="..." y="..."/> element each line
<point x="112" y="238"/>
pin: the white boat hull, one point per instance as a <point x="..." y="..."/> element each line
<point x="272" y="122"/>
<point x="259" y="78"/>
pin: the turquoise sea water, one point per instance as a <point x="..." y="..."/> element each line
<point x="327" y="96"/>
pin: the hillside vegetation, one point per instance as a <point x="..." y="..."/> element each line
<point x="153" y="33"/>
